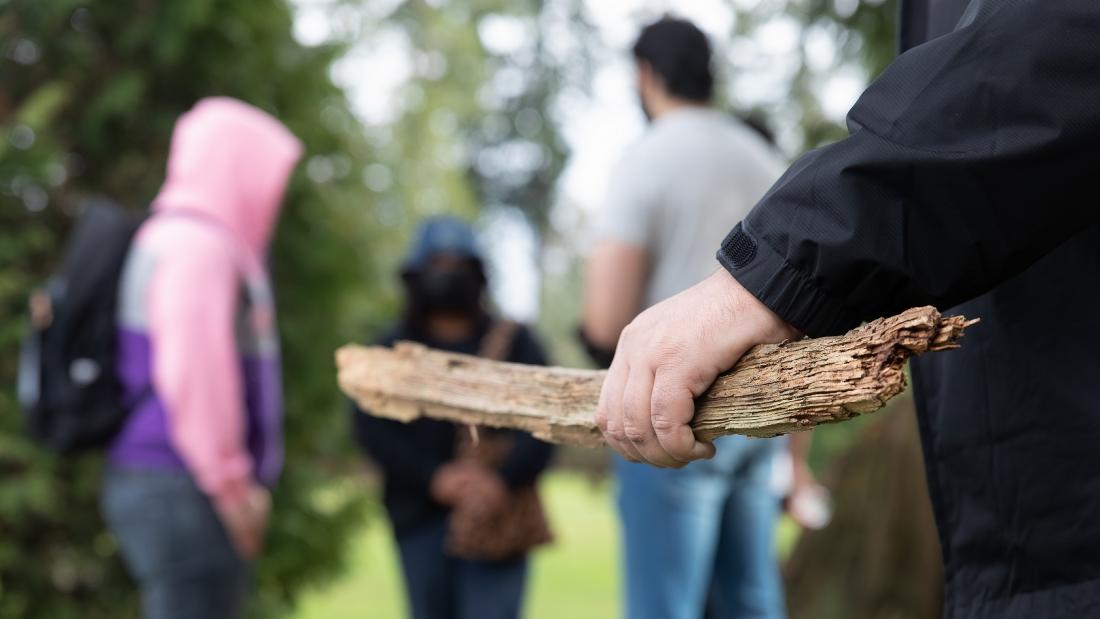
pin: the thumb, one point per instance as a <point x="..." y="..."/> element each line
<point x="673" y="407"/>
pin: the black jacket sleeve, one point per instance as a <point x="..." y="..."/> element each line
<point x="970" y="158"/>
<point x="529" y="456"/>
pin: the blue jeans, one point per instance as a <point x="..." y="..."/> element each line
<point x="440" y="586"/>
<point x="174" y="546"/>
<point x="702" y="538"/>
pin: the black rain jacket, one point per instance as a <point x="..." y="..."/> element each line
<point x="968" y="182"/>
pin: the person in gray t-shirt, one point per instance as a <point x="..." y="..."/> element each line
<point x="699" y="538"/>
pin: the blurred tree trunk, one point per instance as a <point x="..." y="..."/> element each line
<point x="880" y="556"/>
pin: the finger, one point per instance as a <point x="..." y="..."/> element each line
<point x="609" y="411"/>
<point x="245" y="544"/>
<point x="250" y="532"/>
<point x="252" y="544"/>
<point x="261" y="500"/>
<point x="637" y="423"/>
<point x="605" y="399"/>
<point x="625" y="446"/>
<point x="673" y="406"/>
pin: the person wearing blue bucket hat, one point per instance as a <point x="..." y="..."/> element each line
<point x="462" y="501"/>
<point x="442" y="234"/>
<point x="444" y="278"/>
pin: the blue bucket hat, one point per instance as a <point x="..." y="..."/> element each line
<point x="442" y="234"/>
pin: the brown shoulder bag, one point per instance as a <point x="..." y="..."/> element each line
<point x="520" y="524"/>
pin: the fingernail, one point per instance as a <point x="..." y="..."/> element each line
<point x="703" y="451"/>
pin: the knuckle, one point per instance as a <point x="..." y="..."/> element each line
<point x="671" y="352"/>
<point x="628" y="331"/>
<point x="663" y="401"/>
<point x="637" y="411"/>
<point x="663" y="424"/>
<point x="699" y="379"/>
<point x="627" y="338"/>
<point x="634" y="434"/>
<point x="601" y="420"/>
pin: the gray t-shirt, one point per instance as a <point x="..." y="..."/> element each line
<point x="679" y="190"/>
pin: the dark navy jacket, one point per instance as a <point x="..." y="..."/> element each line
<point x="968" y="182"/>
<point x="409" y="454"/>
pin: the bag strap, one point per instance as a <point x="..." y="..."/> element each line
<point x="496" y="345"/>
<point x="499" y="340"/>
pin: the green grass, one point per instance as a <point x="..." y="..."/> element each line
<point x="577" y="576"/>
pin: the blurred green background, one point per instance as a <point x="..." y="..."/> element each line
<point x="575" y="577"/>
<point x="406" y="108"/>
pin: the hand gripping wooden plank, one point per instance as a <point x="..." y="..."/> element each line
<point x="774" y="389"/>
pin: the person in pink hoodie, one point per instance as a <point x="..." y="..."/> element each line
<point x="186" y="493"/>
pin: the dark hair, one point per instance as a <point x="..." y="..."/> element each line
<point x="680" y="53"/>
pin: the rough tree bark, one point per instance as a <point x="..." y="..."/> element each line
<point x="881" y="563"/>
<point x="774" y="389"/>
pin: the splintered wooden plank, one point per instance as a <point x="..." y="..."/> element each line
<point x="774" y="389"/>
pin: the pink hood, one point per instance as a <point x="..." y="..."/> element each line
<point x="230" y="161"/>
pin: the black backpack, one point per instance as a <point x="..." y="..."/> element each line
<point x="68" y="387"/>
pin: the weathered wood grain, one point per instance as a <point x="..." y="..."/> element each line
<point x="774" y="389"/>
